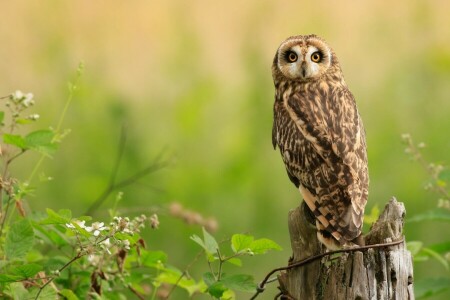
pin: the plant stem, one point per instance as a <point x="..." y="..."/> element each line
<point x="60" y="121"/>
<point x="219" y="275"/>
<point x="78" y="256"/>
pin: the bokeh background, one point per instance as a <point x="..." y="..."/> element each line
<point x="192" y="80"/>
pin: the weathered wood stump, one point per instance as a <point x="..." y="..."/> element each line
<point x="373" y="274"/>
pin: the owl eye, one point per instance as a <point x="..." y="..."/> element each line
<point x="316" y="56"/>
<point x="292" y="56"/>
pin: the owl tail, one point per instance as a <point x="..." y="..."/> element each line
<point x="327" y="234"/>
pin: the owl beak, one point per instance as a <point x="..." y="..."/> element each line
<point x="303" y="69"/>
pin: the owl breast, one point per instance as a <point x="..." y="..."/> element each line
<point x="323" y="148"/>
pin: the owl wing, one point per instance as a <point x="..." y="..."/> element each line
<point x="332" y="125"/>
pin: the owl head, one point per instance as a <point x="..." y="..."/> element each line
<point x="303" y="58"/>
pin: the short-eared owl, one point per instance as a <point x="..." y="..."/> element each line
<point x="321" y="137"/>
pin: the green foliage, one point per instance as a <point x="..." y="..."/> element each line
<point x="19" y="240"/>
<point x="437" y="183"/>
<point x="219" y="284"/>
<point x="54" y="254"/>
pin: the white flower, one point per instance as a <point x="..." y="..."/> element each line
<point x="106" y="244"/>
<point x="33" y="117"/>
<point x="17" y="95"/>
<point x="96" y="228"/>
<point x="93" y="259"/>
<point x="28" y="101"/>
<point x="126" y="244"/>
<point x="79" y="223"/>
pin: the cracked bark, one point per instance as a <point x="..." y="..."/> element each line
<point x="374" y="274"/>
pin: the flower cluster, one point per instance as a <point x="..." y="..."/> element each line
<point x="18" y="102"/>
<point x="97" y="240"/>
<point x="18" y="97"/>
<point x="125" y="225"/>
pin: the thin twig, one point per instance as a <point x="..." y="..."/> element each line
<point x="78" y="256"/>
<point x="261" y="287"/>
<point x="155" y="166"/>
<point x="110" y="187"/>
<point x="16" y="156"/>
<point x="184" y="273"/>
<point x="133" y="290"/>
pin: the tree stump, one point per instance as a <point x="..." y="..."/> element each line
<point x="372" y="274"/>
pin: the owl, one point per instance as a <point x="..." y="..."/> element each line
<point x="321" y="138"/>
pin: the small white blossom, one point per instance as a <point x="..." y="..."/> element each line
<point x="79" y="223"/>
<point x="106" y="244"/>
<point x="28" y="100"/>
<point x="17" y="95"/>
<point x="126" y="244"/>
<point x="34" y="117"/>
<point x="96" y="228"/>
<point x="93" y="259"/>
<point x="127" y="231"/>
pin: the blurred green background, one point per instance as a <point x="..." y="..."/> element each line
<point x="192" y="80"/>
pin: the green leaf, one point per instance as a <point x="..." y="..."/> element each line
<point x="208" y="278"/>
<point x="68" y="294"/>
<point x="239" y="282"/>
<point x="19" y="239"/>
<point x="124" y="236"/>
<point x="209" y="244"/>
<point x="2" y="116"/>
<point x="241" y="242"/>
<point x="9" y="278"/>
<point x="41" y="141"/>
<point x="63" y="216"/>
<point x="430" y="286"/>
<point x="431" y="215"/>
<point x="246" y="243"/>
<point x="15" y="140"/>
<point x="217" y="289"/>
<point x="48" y="293"/>
<point x="174" y="276"/>
<point x="52" y="235"/>
<point x="261" y="246"/>
<point x="26" y="271"/>
<point x="153" y="259"/>
<point x="18" y="291"/>
<point x="235" y="261"/>
<point x="23" y="121"/>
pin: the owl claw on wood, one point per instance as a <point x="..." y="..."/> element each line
<point x="321" y="137"/>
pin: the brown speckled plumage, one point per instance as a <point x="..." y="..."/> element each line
<point x="321" y="137"/>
